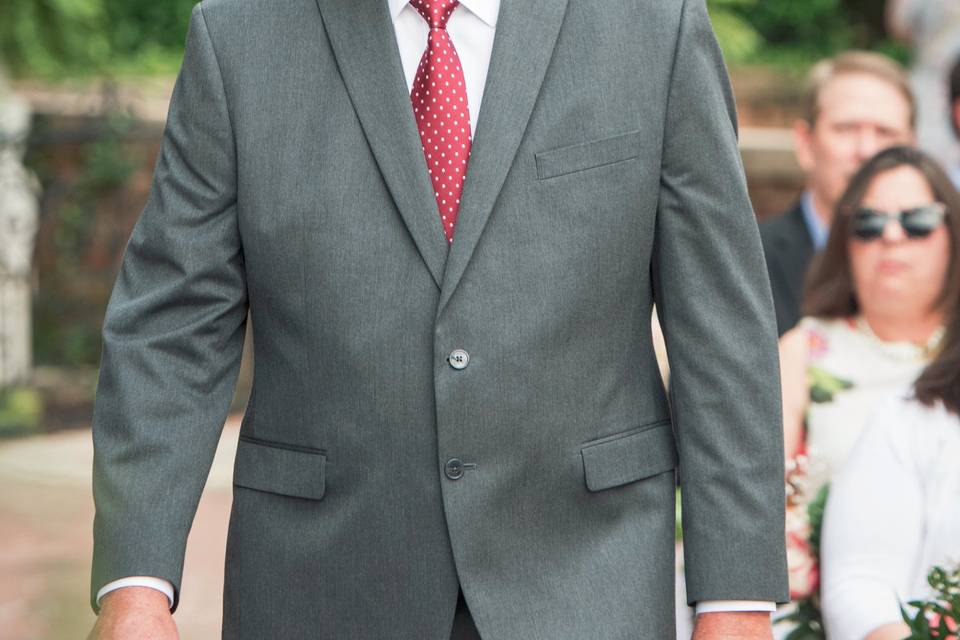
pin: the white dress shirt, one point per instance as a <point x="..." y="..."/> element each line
<point x="471" y="27"/>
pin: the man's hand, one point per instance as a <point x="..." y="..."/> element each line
<point x="134" y="612"/>
<point x="733" y="625"/>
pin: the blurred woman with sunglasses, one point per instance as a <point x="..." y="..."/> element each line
<point x="894" y="509"/>
<point x="876" y="301"/>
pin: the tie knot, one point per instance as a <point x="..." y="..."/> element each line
<point x="435" y="12"/>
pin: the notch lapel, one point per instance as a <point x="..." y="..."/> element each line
<point x="365" y="46"/>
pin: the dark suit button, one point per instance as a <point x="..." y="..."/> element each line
<point x="453" y="469"/>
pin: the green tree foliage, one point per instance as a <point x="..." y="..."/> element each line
<point x="136" y="24"/>
<point x="21" y="411"/>
<point x="815" y="24"/>
<point x="42" y="35"/>
<point x="82" y="37"/>
<point x="86" y="37"/>
<point x="797" y="33"/>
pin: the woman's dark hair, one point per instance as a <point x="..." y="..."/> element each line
<point x="829" y="290"/>
<point x="940" y="380"/>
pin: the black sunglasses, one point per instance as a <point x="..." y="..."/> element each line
<point x="917" y="222"/>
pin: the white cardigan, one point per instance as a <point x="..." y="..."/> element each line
<point x="893" y="512"/>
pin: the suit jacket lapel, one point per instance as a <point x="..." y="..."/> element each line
<point x="363" y="40"/>
<point x="523" y="44"/>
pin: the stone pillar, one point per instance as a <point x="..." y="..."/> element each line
<point x="19" y="190"/>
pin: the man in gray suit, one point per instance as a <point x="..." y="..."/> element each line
<point x="456" y="396"/>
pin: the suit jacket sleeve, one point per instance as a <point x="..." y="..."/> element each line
<point x="715" y="305"/>
<point x="172" y="337"/>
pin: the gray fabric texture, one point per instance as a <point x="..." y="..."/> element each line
<point x="291" y="184"/>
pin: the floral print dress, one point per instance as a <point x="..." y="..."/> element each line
<point x="849" y="372"/>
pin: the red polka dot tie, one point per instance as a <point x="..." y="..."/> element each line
<point x="439" y="97"/>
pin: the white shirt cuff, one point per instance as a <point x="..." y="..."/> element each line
<point x="710" y="606"/>
<point x="138" y="581"/>
<point x="164" y="586"/>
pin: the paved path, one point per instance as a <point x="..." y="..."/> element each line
<point x="46" y="522"/>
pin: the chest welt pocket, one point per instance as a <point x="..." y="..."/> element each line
<point x="630" y="455"/>
<point x="587" y="155"/>
<point x="275" y="467"/>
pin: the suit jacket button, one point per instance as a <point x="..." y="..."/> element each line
<point x="458" y="359"/>
<point x="453" y="469"/>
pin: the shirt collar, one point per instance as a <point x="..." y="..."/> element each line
<point x="818" y="230"/>
<point x="486" y="10"/>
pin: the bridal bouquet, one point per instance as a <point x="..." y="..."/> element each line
<point x="936" y="618"/>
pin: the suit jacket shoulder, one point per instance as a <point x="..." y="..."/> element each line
<point x="786" y="227"/>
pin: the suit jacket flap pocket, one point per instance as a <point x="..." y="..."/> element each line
<point x="586" y="155"/>
<point x="631" y="455"/>
<point x="279" y="468"/>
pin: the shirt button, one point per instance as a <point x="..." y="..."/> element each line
<point x="453" y="469"/>
<point x="458" y="359"/>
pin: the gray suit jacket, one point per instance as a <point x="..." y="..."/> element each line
<point x="374" y="472"/>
